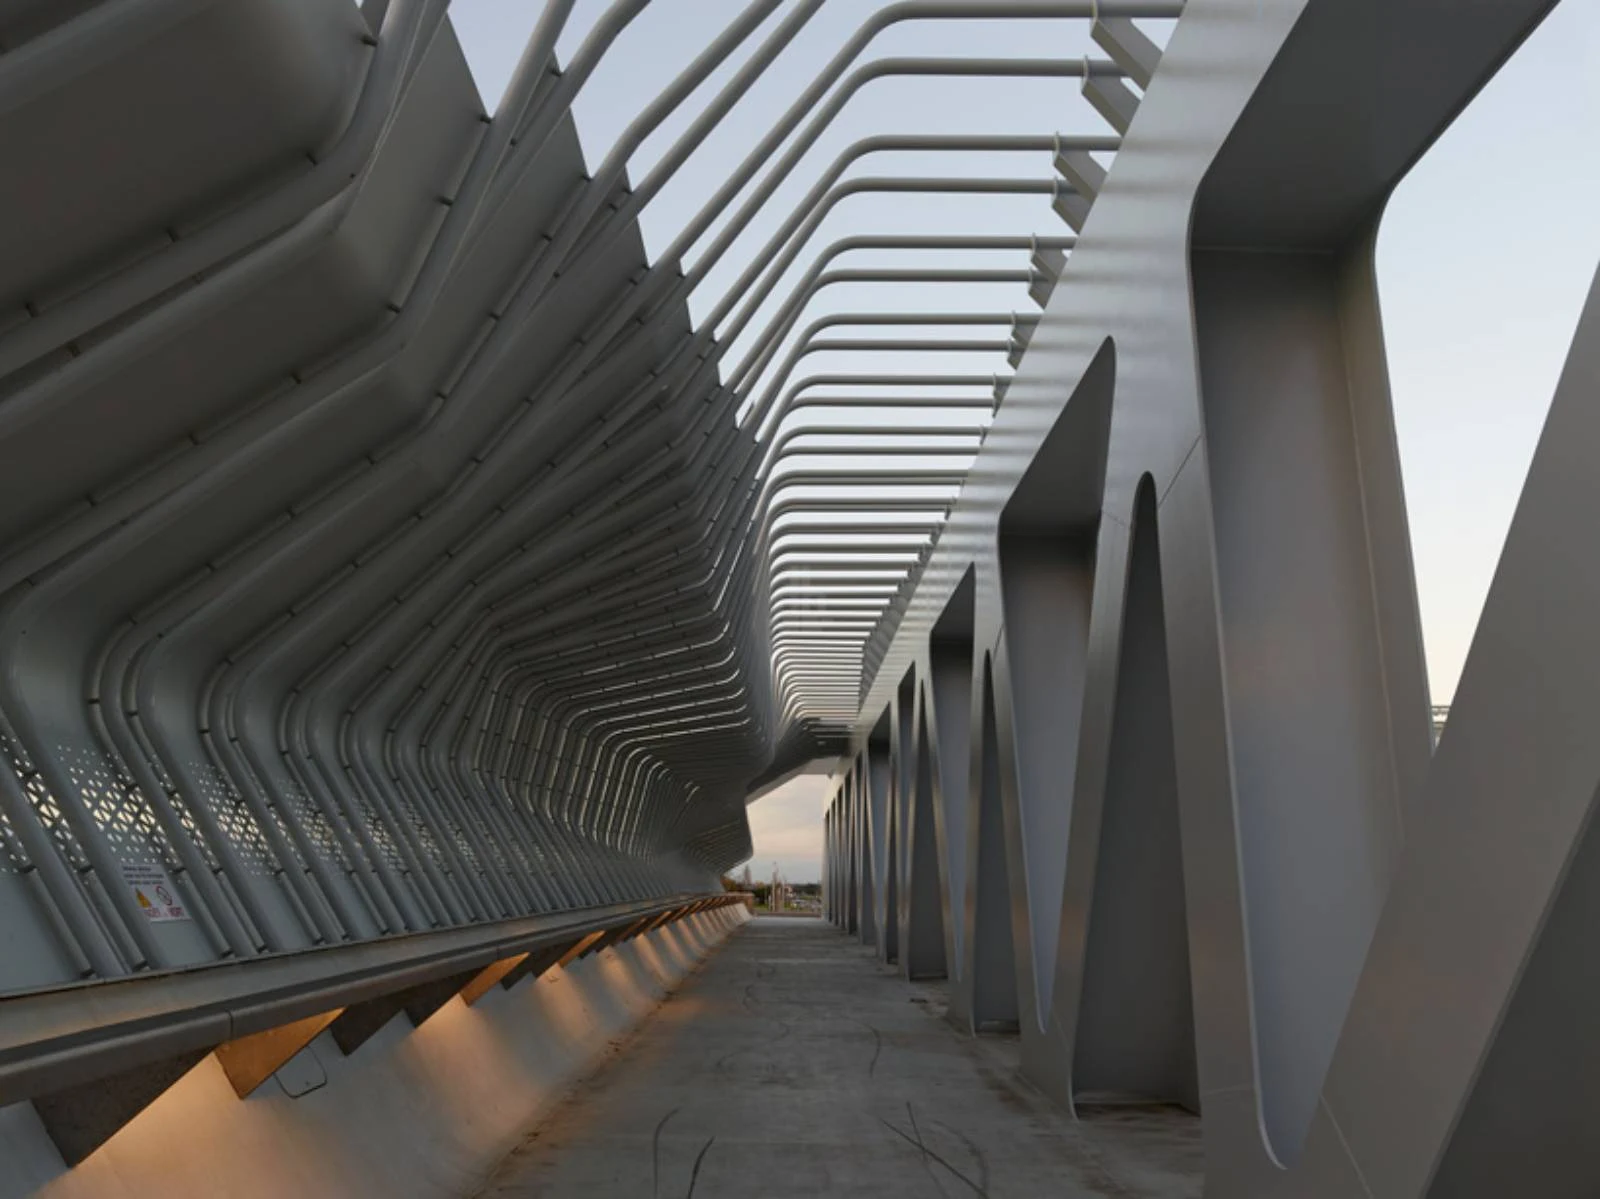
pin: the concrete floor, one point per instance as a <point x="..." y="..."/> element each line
<point x="794" y="1065"/>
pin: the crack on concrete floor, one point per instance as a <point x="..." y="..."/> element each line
<point x="972" y="1148"/>
<point x="699" y="1158"/>
<point x="877" y="1045"/>
<point x="917" y="1143"/>
<point x="655" y="1154"/>
<point x="921" y="1144"/>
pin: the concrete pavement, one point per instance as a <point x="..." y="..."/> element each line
<point x="795" y="1065"/>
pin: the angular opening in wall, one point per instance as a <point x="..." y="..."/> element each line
<point x="994" y="963"/>
<point x="925" y="914"/>
<point x="950" y="650"/>
<point x="903" y="761"/>
<point x="1048" y="531"/>
<point x="851" y="834"/>
<point x="878" y="786"/>
<point x="1476" y="341"/>
<point x="866" y="902"/>
<point x="1135" y="1030"/>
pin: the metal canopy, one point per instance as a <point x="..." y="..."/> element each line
<point x="389" y="559"/>
<point x="383" y="547"/>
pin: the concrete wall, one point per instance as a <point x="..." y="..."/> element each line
<point x="414" y="1114"/>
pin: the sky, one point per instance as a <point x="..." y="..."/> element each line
<point x="1484" y="256"/>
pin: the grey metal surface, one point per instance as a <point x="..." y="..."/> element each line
<point x="382" y="549"/>
<point x="384" y="552"/>
<point x="1159" y="686"/>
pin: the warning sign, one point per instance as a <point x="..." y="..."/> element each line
<point x="153" y="892"/>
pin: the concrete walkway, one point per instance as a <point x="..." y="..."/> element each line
<point x="794" y="1065"/>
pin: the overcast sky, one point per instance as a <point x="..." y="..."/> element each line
<point x="1485" y="254"/>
